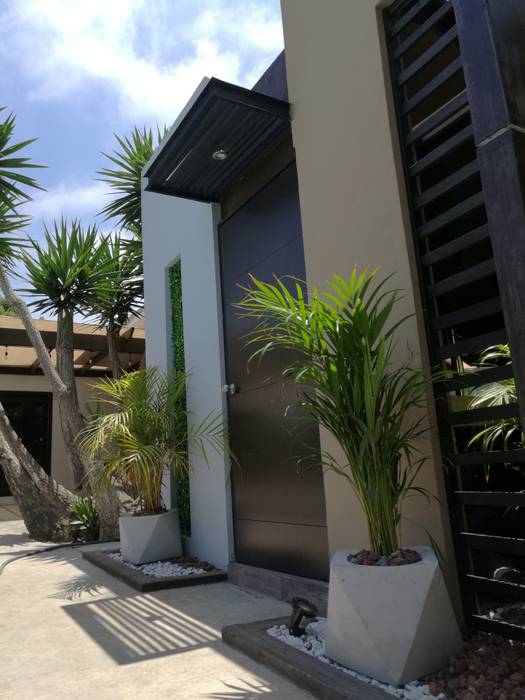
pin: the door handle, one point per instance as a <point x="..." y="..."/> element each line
<point x="230" y="389"/>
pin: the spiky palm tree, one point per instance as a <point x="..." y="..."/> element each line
<point x="13" y="183"/>
<point x="44" y="504"/>
<point x="64" y="277"/>
<point x="124" y="177"/>
<point x="119" y="296"/>
<point x="131" y="155"/>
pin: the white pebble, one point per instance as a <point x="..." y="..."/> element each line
<point x="312" y="643"/>
<point x="159" y="569"/>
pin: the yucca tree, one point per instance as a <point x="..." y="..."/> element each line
<point x="65" y="276"/>
<point x="44" y="504"/>
<point x="119" y="296"/>
<point x="343" y="342"/>
<point x="14" y="184"/>
<point x="143" y="430"/>
<point x="124" y="176"/>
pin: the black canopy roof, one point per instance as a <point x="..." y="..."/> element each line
<point x="225" y="120"/>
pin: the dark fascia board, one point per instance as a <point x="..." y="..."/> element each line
<point x="165" y="161"/>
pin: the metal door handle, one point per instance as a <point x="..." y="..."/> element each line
<point x="229" y="389"/>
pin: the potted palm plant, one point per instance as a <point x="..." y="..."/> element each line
<point x="141" y="433"/>
<point x="389" y="614"/>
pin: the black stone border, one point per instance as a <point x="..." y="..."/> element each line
<point x="321" y="680"/>
<point x="141" y="582"/>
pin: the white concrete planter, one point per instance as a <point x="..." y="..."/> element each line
<point x="146" y="538"/>
<point x="393" y="623"/>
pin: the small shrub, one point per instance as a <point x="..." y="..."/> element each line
<point x="85" y="520"/>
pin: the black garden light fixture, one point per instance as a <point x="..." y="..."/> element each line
<point x="303" y="612"/>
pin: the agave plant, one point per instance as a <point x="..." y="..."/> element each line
<point x="145" y="432"/>
<point x="343" y="342"/>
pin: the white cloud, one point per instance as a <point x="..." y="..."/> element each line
<point x="71" y="200"/>
<point x="152" y="54"/>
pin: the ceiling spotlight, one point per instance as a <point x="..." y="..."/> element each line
<point x="221" y="154"/>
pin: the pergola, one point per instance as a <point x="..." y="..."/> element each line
<point x="17" y="355"/>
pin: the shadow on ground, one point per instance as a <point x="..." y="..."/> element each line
<point x="76" y="588"/>
<point x="15" y="540"/>
<point x="132" y="629"/>
<point x="242" y="690"/>
<point x="140" y="627"/>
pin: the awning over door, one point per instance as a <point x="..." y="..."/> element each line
<point x="226" y="129"/>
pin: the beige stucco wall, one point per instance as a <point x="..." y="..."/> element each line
<point x="20" y="383"/>
<point x="353" y="203"/>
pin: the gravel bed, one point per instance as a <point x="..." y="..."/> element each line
<point x="164" y="569"/>
<point x="400" y="557"/>
<point x="313" y="644"/>
<point x="490" y="668"/>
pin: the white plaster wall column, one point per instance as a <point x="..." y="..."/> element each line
<point x="176" y="228"/>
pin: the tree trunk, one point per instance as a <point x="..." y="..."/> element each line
<point x="70" y="416"/>
<point x="44" y="504"/>
<point x="18" y="465"/>
<point x="113" y="334"/>
<point x="71" y="419"/>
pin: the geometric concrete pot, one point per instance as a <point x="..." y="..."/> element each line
<point x="393" y="623"/>
<point x="146" y="538"/>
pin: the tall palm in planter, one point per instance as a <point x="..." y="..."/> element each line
<point x="381" y="620"/>
<point x="145" y="433"/>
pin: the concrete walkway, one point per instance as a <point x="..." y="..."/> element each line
<point x="69" y="630"/>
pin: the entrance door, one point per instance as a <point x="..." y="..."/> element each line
<point x="30" y="416"/>
<point x="278" y="496"/>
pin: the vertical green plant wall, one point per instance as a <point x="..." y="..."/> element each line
<point x="177" y="344"/>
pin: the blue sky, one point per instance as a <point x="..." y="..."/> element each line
<point x="76" y="71"/>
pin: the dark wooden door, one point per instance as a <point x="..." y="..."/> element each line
<point x="30" y="416"/>
<point x="277" y="486"/>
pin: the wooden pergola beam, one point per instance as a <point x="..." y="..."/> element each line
<point x="87" y="360"/>
<point x="17" y="337"/>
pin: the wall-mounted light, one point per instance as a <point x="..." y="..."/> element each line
<point x="221" y="154"/>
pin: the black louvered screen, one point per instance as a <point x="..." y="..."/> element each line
<point x="463" y="309"/>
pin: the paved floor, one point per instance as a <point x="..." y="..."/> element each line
<point x="69" y="630"/>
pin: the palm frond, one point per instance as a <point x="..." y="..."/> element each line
<point x="69" y="271"/>
<point x="124" y="175"/>
<point x="499" y="434"/>
<point x="147" y="431"/>
<point x="14" y="183"/>
<point x="343" y="341"/>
